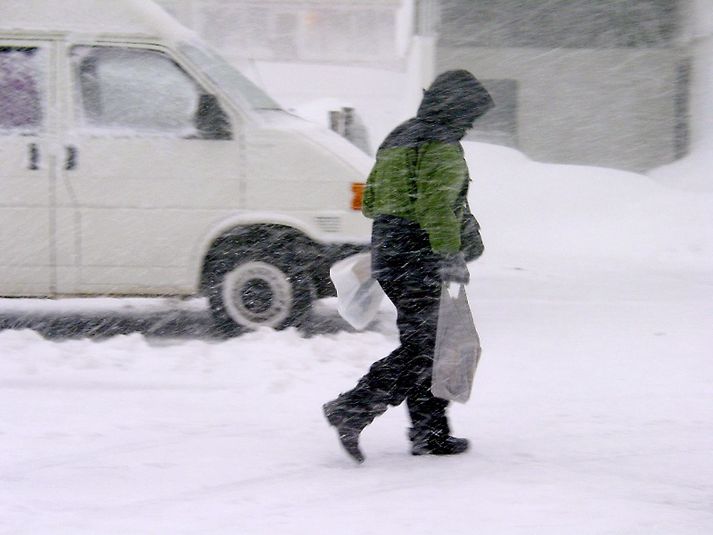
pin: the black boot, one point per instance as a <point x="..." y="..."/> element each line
<point x="350" y="418"/>
<point x="431" y="434"/>
<point x="435" y="443"/>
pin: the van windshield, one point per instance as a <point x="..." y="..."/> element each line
<point x="222" y="73"/>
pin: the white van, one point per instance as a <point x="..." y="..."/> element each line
<point x="135" y="161"/>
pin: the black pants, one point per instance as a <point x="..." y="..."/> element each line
<point x="406" y="373"/>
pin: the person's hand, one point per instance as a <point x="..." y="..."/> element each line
<point x="454" y="269"/>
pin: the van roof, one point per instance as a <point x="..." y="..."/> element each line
<point x="126" y="17"/>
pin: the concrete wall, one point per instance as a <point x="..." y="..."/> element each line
<point x="611" y="107"/>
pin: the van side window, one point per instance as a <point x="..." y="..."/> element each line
<point x="20" y="90"/>
<point x="138" y="91"/>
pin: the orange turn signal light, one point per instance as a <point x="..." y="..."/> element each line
<point x="357" y="195"/>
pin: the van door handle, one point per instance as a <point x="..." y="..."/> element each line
<point x="34" y="156"/>
<point x="71" y="162"/>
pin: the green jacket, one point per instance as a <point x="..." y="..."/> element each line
<point x="427" y="184"/>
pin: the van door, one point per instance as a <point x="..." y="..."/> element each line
<point x="25" y="169"/>
<point x="151" y="162"/>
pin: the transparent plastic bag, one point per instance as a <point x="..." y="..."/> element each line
<point x="457" y="348"/>
<point x="358" y="294"/>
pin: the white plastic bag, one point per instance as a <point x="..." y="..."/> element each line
<point x="457" y="348"/>
<point x="358" y="294"/>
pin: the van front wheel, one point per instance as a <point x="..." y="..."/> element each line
<point x="255" y="291"/>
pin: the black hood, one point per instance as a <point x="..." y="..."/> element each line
<point x="454" y="101"/>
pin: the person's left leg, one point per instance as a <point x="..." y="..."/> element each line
<point x="427" y="412"/>
<point x="418" y="324"/>
<point x="430" y="434"/>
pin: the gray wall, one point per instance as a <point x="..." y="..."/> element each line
<point x="595" y="82"/>
<point x="611" y="107"/>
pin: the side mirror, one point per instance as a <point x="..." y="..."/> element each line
<point x="211" y="121"/>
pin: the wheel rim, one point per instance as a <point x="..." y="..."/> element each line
<point x="257" y="294"/>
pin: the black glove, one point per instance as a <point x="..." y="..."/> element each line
<point x="470" y="238"/>
<point x="454" y="269"/>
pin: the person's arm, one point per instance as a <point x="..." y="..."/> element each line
<point x="441" y="172"/>
<point x="368" y="203"/>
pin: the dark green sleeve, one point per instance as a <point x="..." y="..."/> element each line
<point x="389" y="185"/>
<point x="441" y="173"/>
<point x="368" y="203"/>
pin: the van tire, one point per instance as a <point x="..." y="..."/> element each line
<point x="250" y="288"/>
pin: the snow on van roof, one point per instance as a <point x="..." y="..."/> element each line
<point x="128" y="17"/>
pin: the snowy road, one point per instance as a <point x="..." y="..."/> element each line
<point x="592" y="414"/>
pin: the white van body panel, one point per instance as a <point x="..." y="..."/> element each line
<point x="133" y="212"/>
<point x="26" y="177"/>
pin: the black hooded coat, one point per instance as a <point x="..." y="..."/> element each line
<point x="416" y="195"/>
<point x="417" y="191"/>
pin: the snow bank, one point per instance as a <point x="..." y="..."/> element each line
<point x="576" y="215"/>
<point x="135" y="360"/>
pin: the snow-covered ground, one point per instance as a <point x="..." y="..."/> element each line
<point x="592" y="411"/>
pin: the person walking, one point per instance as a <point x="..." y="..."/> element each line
<point x="416" y="194"/>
